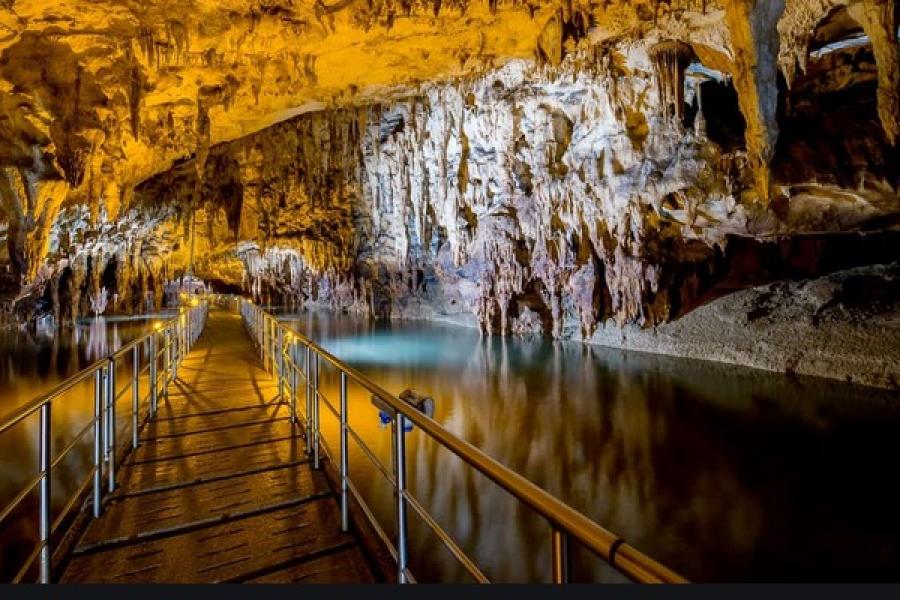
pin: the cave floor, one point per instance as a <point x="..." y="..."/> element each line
<point x="220" y="488"/>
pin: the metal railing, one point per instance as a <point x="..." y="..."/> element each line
<point x="289" y="356"/>
<point x="157" y="354"/>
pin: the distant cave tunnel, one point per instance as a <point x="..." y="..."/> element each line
<point x="830" y="130"/>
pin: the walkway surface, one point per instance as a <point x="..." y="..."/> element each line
<point x="220" y="489"/>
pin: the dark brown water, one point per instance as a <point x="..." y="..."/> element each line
<point x="31" y="365"/>
<point x="720" y="472"/>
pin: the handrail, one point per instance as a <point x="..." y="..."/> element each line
<point x="178" y="334"/>
<point x="567" y="524"/>
<point x="26" y="410"/>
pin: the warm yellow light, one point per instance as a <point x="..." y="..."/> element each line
<point x="157" y="326"/>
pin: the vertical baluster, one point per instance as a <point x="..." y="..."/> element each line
<point x="308" y="414"/>
<point x="273" y="346"/>
<point x="345" y="469"/>
<point x="294" y="354"/>
<point x="44" y="440"/>
<point x="105" y="415"/>
<point x="315" y="408"/>
<point x="167" y="365"/>
<point x="559" y="550"/>
<point x="176" y="347"/>
<point x="400" y="476"/>
<point x="98" y="440"/>
<point x="111" y="422"/>
<point x="154" y="400"/>
<point x="135" y="393"/>
<point x="273" y="357"/>
<point x="280" y="364"/>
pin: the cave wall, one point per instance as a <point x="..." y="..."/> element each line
<point x="534" y="199"/>
<point x="529" y="198"/>
<point x="526" y="166"/>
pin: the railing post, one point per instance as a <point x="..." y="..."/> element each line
<point x="400" y="476"/>
<point x="280" y="364"/>
<point x="135" y="393"/>
<point x="308" y="414"/>
<point x="315" y="409"/>
<point x="98" y="441"/>
<point x="176" y="346"/>
<point x="345" y="470"/>
<point x="559" y="550"/>
<point x="44" y="439"/>
<point x="266" y="343"/>
<point x="167" y="364"/>
<point x="111" y="422"/>
<point x="105" y="393"/>
<point x="272" y="339"/>
<point x="154" y="400"/>
<point x="294" y="354"/>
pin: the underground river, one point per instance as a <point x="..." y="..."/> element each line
<point x="721" y="473"/>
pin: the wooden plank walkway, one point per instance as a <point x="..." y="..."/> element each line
<point x="220" y="489"/>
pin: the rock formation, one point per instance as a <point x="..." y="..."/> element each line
<point x="536" y="166"/>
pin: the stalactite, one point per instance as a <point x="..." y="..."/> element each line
<point x="542" y="179"/>
<point x="670" y="60"/>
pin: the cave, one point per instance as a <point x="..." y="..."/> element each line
<point x="599" y="242"/>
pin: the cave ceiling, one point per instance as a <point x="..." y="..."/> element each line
<point x="118" y="90"/>
<point x="98" y="96"/>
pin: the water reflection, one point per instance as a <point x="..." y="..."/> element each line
<point x="719" y="472"/>
<point x="30" y="366"/>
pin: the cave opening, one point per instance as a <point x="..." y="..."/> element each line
<point x="818" y="142"/>
<point x="109" y="279"/>
<point x="65" y="308"/>
<point x="725" y="124"/>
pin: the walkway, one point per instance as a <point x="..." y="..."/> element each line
<point x="220" y="489"/>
